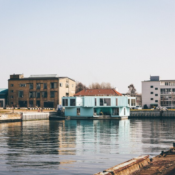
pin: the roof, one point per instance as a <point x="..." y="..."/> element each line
<point x="43" y="75"/>
<point x="98" y="92"/>
<point x="3" y="91"/>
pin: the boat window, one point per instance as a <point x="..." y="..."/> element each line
<point x="65" y="102"/>
<point x="72" y="102"/>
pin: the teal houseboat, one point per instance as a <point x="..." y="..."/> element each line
<point x="98" y="106"/>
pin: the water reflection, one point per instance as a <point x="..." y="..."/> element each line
<point x="79" y="146"/>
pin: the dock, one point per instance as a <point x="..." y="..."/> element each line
<point x="163" y="164"/>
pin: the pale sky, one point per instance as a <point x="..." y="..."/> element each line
<point x="116" y="41"/>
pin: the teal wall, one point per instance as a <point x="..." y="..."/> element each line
<point x="86" y="112"/>
<point x="71" y="111"/>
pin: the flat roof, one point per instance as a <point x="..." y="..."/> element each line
<point x="43" y="75"/>
<point x="39" y="78"/>
<point x="156" y="81"/>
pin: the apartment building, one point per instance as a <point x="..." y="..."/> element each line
<point x="39" y="90"/>
<point x="156" y="92"/>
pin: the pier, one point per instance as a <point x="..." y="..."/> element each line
<point x="163" y="164"/>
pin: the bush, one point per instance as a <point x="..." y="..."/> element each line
<point x="145" y="107"/>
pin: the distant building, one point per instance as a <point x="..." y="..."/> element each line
<point x="3" y="97"/>
<point x="39" y="90"/>
<point x="98" y="92"/>
<point x="138" y="98"/>
<point x="94" y="106"/>
<point x="156" y="92"/>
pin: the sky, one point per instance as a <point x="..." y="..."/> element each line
<point x="120" y="42"/>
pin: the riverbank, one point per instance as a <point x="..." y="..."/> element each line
<point x="163" y="164"/>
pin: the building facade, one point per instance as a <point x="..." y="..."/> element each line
<point x="39" y="90"/>
<point x="3" y="97"/>
<point x="156" y="92"/>
<point x="94" y="106"/>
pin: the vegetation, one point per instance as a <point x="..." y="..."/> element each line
<point x="79" y="87"/>
<point x="100" y="86"/>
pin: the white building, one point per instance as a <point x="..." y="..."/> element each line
<point x="156" y="92"/>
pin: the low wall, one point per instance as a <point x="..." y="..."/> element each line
<point x="35" y="116"/>
<point x="152" y="114"/>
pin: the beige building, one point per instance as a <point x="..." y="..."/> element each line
<point x="39" y="90"/>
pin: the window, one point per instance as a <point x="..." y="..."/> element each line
<point x="67" y="94"/>
<point x="67" y="84"/>
<point x="156" y="88"/>
<point x="116" y="101"/>
<point x="156" y="94"/>
<point x="95" y="100"/>
<point x="101" y="101"/>
<point x="151" y="86"/>
<point x="38" y="85"/>
<point x="44" y="94"/>
<point x="53" y="85"/>
<point x="105" y="102"/>
<point x="31" y="94"/>
<point x="65" y="102"/>
<point x="11" y="102"/>
<point x="115" y="111"/>
<point x="72" y="85"/>
<point x="22" y="103"/>
<point x="132" y="102"/>
<point x="52" y="94"/>
<point x="11" y="90"/>
<point x="152" y="99"/>
<point x="37" y="94"/>
<point x="11" y="85"/>
<point x="20" y="94"/>
<point x="156" y="100"/>
<point x="152" y="92"/>
<point x="129" y="102"/>
<point x="72" y="102"/>
<point x="38" y="103"/>
<point x="22" y="85"/>
<point x="78" y="111"/>
<point x="30" y="86"/>
<point x="61" y="85"/>
<point x="124" y="111"/>
<point x="45" y="86"/>
<point x="30" y="103"/>
<point x="12" y="96"/>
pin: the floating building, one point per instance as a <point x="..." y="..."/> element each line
<point x="116" y="106"/>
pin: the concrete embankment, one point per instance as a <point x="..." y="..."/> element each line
<point x="154" y="113"/>
<point x="12" y="117"/>
<point x="163" y="164"/>
<point x="27" y="116"/>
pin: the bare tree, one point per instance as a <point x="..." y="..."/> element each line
<point x="103" y="85"/>
<point x="132" y="90"/>
<point x="80" y="87"/>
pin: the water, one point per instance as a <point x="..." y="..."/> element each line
<point x="79" y="146"/>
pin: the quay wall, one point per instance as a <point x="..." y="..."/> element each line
<point x="12" y="117"/>
<point x="151" y="114"/>
<point x="38" y="116"/>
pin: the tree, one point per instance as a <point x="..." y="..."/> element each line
<point x="103" y="85"/>
<point x="145" y="107"/>
<point x="79" y="87"/>
<point x="132" y="90"/>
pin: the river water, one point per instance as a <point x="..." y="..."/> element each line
<point x="79" y="147"/>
